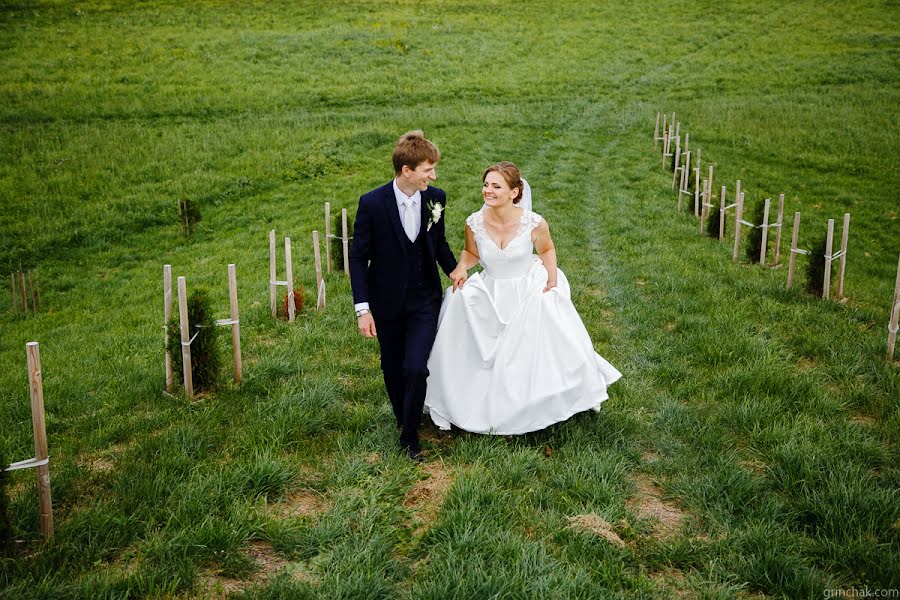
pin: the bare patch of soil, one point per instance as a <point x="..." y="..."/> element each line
<point x="593" y="524"/>
<point x="427" y="495"/>
<point x="649" y="505"/>
<point x="217" y="587"/>
<point x="304" y="503"/>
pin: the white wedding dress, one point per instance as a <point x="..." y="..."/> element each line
<point x="508" y="357"/>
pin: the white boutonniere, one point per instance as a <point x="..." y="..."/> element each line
<point x="435" y="209"/>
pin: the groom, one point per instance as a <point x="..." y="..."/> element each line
<point x="397" y="237"/>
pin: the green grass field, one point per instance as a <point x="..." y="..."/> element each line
<point x="761" y="426"/>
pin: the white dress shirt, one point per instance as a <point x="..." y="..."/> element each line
<point x="417" y="213"/>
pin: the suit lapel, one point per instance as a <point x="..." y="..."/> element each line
<point x="393" y="215"/>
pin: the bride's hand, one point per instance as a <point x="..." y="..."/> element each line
<point x="458" y="276"/>
<point x="550" y="285"/>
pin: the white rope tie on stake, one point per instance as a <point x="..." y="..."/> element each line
<point x="730" y="206"/>
<point x="224" y="322"/>
<point x="837" y="254"/>
<point x="191" y="341"/>
<point x="891" y="330"/>
<point x="278" y="282"/>
<point x="28" y="463"/>
<point x="749" y="224"/>
<point x="799" y="251"/>
<point x="337" y="237"/>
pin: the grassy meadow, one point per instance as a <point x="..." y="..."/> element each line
<point x="752" y="448"/>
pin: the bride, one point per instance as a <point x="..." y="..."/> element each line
<point x="511" y="353"/>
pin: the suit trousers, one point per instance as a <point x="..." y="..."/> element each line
<point x="405" y="343"/>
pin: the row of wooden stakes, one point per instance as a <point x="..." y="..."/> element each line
<point x="671" y="132"/>
<point x="25" y="290"/>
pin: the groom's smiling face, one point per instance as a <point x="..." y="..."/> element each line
<point x="420" y="177"/>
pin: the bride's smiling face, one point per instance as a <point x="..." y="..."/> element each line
<point x="496" y="192"/>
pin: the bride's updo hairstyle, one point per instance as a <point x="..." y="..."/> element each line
<point x="412" y="150"/>
<point x="510" y="174"/>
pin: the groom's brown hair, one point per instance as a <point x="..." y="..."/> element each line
<point x="412" y="150"/>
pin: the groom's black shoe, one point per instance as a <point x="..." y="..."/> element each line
<point x="414" y="453"/>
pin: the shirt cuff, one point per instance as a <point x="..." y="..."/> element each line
<point x="360" y="306"/>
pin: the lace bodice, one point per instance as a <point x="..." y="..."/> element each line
<point x="515" y="259"/>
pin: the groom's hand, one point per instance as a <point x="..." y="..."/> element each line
<point x="366" y="325"/>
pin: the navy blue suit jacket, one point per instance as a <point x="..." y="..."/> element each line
<point x="378" y="255"/>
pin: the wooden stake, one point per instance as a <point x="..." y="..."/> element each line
<point x="677" y="128"/>
<point x="31" y="287"/>
<point x="235" y="325"/>
<point x="185" y="339"/>
<point x="290" y="279"/>
<point x="23" y="291"/>
<point x="687" y="164"/>
<point x="687" y="139"/>
<point x="681" y="184"/>
<point x="738" y="215"/>
<point x="167" y="316"/>
<point x="36" y="386"/>
<point x="697" y="190"/>
<point x="722" y="213"/>
<point x="345" y="240"/>
<point x="780" y="225"/>
<point x="677" y="168"/>
<point x="665" y="146"/>
<point x="895" y="317"/>
<point x="842" y="265"/>
<point x="795" y="235"/>
<point x="698" y="158"/>
<point x="765" y="233"/>
<point x="665" y="131"/>
<point x="328" y="236"/>
<point x="320" y="302"/>
<point x="704" y="200"/>
<point x="829" y="240"/>
<point x="710" y="177"/>
<point x="273" y="275"/>
<point x="656" y="132"/>
<point x="15" y="292"/>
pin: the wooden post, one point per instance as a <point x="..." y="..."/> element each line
<point x="710" y="177"/>
<point x="698" y="158"/>
<point x="235" y="325"/>
<point x="842" y="265"/>
<point x="677" y="160"/>
<point x="167" y="316"/>
<point x="320" y="302"/>
<point x="687" y="139"/>
<point x="681" y="185"/>
<point x="677" y="128"/>
<point x="328" y="236"/>
<point x="665" y="147"/>
<point x="34" y="308"/>
<point x="895" y="316"/>
<point x="829" y="240"/>
<point x="15" y="292"/>
<point x="738" y="215"/>
<point x="185" y="339"/>
<point x="697" y="190"/>
<point x="665" y="131"/>
<point x="780" y="225"/>
<point x="36" y="386"/>
<point x="722" y="213"/>
<point x="704" y="200"/>
<point x="345" y="240"/>
<point x="23" y="292"/>
<point x="656" y="132"/>
<point x="765" y="233"/>
<point x="273" y="275"/>
<point x="795" y="234"/>
<point x="687" y="165"/>
<point x="290" y="280"/>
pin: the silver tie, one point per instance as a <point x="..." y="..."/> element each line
<point x="409" y="219"/>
